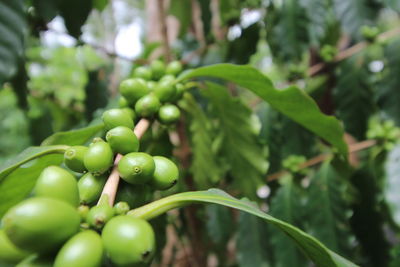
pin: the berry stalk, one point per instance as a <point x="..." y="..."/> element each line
<point x="111" y="186"/>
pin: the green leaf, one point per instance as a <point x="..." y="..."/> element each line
<point x="252" y="245"/>
<point x="327" y="211"/>
<point x="75" y="13"/>
<point x="219" y="225"/>
<point x="353" y="97"/>
<point x="73" y="137"/>
<point x="388" y="93"/>
<point x="285" y="205"/>
<point x="12" y="27"/>
<point x="310" y="246"/>
<point x="18" y="176"/>
<point x="100" y="4"/>
<point x="392" y="184"/>
<point x="240" y="146"/>
<point x="27" y="155"/>
<point x="205" y="168"/>
<point x="288" y="37"/>
<point x="291" y="101"/>
<point x="354" y="14"/>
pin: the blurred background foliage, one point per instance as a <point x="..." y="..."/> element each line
<point x="61" y="63"/>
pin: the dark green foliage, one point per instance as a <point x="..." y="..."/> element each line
<point x="353" y="97"/>
<point x="239" y="145"/>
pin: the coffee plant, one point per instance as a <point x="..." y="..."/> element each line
<point x="240" y="134"/>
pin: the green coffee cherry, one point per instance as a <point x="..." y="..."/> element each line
<point x="131" y="113"/>
<point x="90" y="187"/>
<point x="9" y="253"/>
<point x="122" y="102"/>
<point x="142" y="72"/>
<point x="83" y="211"/>
<point x="147" y="105"/>
<point x="165" y="175"/>
<point x="36" y="261"/>
<point x="169" y="114"/>
<point x="135" y="196"/>
<point x="99" y="215"/>
<point x="174" y="68"/>
<point x="165" y="91"/>
<point x="55" y="182"/>
<point x="117" y="117"/>
<point x="128" y="241"/>
<point x="157" y="68"/>
<point x="151" y="85"/>
<point x="41" y="224"/>
<point x="121" y="208"/>
<point x="99" y="157"/>
<point x="73" y="158"/>
<point x="122" y="140"/>
<point x="136" y="167"/>
<point x="84" y="249"/>
<point x="133" y="89"/>
<point x="180" y="89"/>
<point x="167" y="78"/>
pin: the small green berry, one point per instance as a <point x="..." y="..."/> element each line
<point x="121" y="208"/>
<point x="133" y="89"/>
<point x="147" y="106"/>
<point x="136" y="167"/>
<point x="117" y="117"/>
<point x="142" y="72"/>
<point x="158" y="69"/>
<point x="165" y="175"/>
<point x="169" y="114"/>
<point x="99" y="157"/>
<point x="73" y="158"/>
<point x="99" y="215"/>
<point x="165" y="91"/>
<point x="90" y="187"/>
<point x="122" y="140"/>
<point x="174" y="68"/>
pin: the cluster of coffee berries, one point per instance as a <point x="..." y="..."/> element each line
<point x="60" y="224"/>
<point x="153" y="90"/>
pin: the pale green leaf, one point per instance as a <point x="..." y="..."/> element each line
<point x="205" y="168"/>
<point x="240" y="147"/>
<point x="291" y="101"/>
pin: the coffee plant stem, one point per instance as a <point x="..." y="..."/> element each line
<point x="111" y="186"/>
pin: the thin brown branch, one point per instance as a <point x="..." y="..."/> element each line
<point x="353" y="50"/>
<point x="322" y="157"/>
<point x="111" y="186"/>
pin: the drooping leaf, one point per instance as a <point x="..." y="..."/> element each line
<point x="327" y="211"/>
<point x="242" y="48"/>
<point x="17" y="181"/>
<point x="392" y="184"/>
<point x="252" y="245"/>
<point x="310" y="246"/>
<point x="387" y="93"/>
<point x="12" y="28"/>
<point x="75" y="13"/>
<point x="205" y="168"/>
<point x="291" y="101"/>
<point x="239" y="146"/>
<point x="354" y="14"/>
<point x="74" y="137"/>
<point x="286" y="205"/>
<point x="100" y="4"/>
<point x="353" y="97"/>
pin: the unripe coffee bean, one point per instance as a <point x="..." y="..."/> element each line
<point x="147" y="106"/>
<point x="122" y="140"/>
<point x="142" y="72"/>
<point x="169" y="114"/>
<point x="99" y="215"/>
<point x="90" y="187"/>
<point x="73" y="158"/>
<point x="165" y="91"/>
<point x="99" y="157"/>
<point x="121" y="208"/>
<point x="136" y="167"/>
<point x="117" y="117"/>
<point x="166" y="173"/>
<point x="133" y="89"/>
<point x="174" y="68"/>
